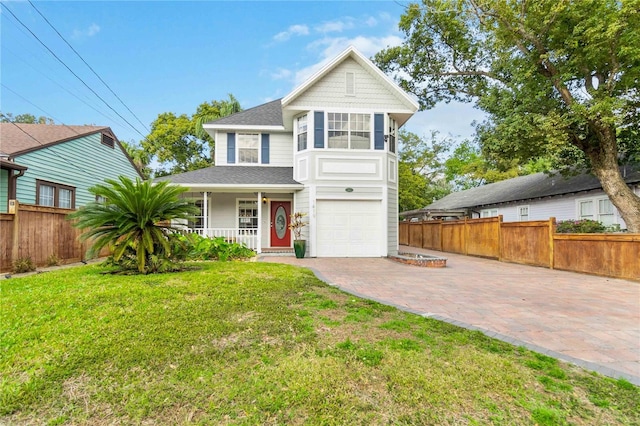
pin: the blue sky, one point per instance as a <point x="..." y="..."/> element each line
<point x="170" y="56"/>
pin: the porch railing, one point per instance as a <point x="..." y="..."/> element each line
<point x="248" y="237"/>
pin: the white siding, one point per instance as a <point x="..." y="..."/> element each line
<point x="222" y="209"/>
<point x="281" y="149"/>
<point x="562" y="208"/>
<point x="221" y="149"/>
<point x="330" y="91"/>
<point x="392" y="221"/>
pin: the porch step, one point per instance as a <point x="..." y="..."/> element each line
<point x="277" y="250"/>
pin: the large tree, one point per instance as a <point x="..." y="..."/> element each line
<point x="558" y="78"/>
<point x="178" y="143"/>
<point x="420" y="162"/>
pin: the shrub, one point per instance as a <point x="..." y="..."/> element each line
<point x="24" y="264"/>
<point x="583" y="226"/>
<point x="203" y="248"/>
<point x="135" y="218"/>
<point x="53" y="260"/>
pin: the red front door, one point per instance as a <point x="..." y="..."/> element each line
<point x="280" y="234"/>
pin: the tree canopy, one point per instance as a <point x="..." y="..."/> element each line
<point x="420" y="162"/>
<point x="558" y="78"/>
<point x="24" y="118"/>
<point x="178" y="143"/>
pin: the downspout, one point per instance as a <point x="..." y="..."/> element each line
<point x="13" y="185"/>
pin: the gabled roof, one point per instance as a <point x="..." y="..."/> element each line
<point x="352" y="52"/>
<point x="20" y="138"/>
<point x="538" y="185"/>
<point x="264" y="116"/>
<point x="225" y="176"/>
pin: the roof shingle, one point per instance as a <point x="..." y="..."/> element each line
<point x="235" y="175"/>
<point x="16" y="138"/>
<point x="269" y="114"/>
<point x="528" y="187"/>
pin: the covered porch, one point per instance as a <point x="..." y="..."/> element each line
<point x="243" y="204"/>
<point x="257" y="219"/>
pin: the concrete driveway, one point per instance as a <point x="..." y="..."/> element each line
<point x="590" y="321"/>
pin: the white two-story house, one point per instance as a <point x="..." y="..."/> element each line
<point x="327" y="149"/>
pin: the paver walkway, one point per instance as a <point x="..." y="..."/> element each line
<point x="591" y="321"/>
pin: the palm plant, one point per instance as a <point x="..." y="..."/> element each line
<point x="135" y="218"/>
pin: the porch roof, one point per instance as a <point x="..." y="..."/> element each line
<point x="236" y="176"/>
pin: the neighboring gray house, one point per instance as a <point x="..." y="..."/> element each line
<point x="533" y="197"/>
<point x="327" y="149"/>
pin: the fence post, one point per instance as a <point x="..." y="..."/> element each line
<point x="500" y="238"/>
<point x="465" y="235"/>
<point x="15" y="247"/>
<point x="552" y="230"/>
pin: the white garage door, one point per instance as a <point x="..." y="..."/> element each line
<point x="348" y="228"/>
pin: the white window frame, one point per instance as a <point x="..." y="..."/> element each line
<point x="299" y="121"/>
<point x="349" y="129"/>
<point x="393" y="141"/>
<point x="239" y="140"/>
<point x="485" y="213"/>
<point x="247" y="230"/>
<point x="596" y="212"/>
<point x="521" y="217"/>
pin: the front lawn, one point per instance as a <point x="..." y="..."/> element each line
<point x="259" y="343"/>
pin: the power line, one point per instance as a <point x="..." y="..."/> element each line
<point x="66" y="160"/>
<point x="89" y="66"/>
<point x="62" y="87"/>
<point x="70" y="70"/>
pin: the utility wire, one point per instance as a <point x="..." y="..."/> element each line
<point x="70" y="70"/>
<point x="66" y="160"/>
<point x="62" y="87"/>
<point x="89" y="66"/>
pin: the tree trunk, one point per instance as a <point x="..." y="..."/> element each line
<point x="604" y="164"/>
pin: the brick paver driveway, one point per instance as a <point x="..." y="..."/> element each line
<point x="590" y="321"/>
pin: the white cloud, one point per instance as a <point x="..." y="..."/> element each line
<point x="92" y="30"/>
<point x="331" y="47"/>
<point x="297" y="29"/>
<point x="335" y="26"/>
<point x="371" y="21"/>
<point x="281" y="73"/>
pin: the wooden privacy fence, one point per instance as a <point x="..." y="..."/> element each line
<point x="531" y="243"/>
<point x="38" y="233"/>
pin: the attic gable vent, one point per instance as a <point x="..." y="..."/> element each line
<point x="350" y="83"/>
<point x="108" y="141"/>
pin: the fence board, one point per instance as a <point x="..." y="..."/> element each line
<point x="482" y="237"/>
<point x="453" y="237"/>
<point x="531" y="243"/>
<point x="42" y="232"/>
<point x="432" y="234"/>
<point x="612" y="255"/>
<point x="6" y="238"/>
<point x="415" y="234"/>
<point x="526" y="242"/>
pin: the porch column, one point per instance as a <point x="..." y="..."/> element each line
<point x="205" y="219"/>
<point x="259" y="230"/>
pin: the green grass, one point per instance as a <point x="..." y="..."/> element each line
<point x="258" y="343"/>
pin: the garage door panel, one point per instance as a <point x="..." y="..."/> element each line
<point x="348" y="228"/>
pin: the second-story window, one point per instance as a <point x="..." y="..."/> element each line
<point x="392" y="135"/>
<point x="349" y="131"/>
<point x="248" y="148"/>
<point x="302" y="132"/>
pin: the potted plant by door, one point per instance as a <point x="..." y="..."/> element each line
<point x="295" y="225"/>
